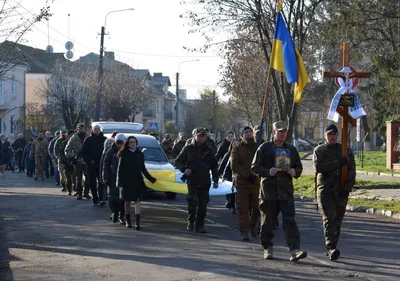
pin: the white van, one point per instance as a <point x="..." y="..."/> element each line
<point x="120" y="127"/>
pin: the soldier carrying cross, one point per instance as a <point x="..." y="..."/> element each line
<point x="334" y="162"/>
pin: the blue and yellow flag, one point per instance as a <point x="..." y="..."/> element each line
<point x="286" y="58"/>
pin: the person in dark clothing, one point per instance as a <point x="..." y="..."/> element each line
<point x="48" y="164"/>
<point x="19" y="146"/>
<point x="29" y="163"/>
<point x="109" y="178"/>
<point x="102" y="184"/>
<point x="92" y="150"/>
<point x="195" y="161"/>
<point x="225" y="171"/>
<point x="223" y="149"/>
<point x="130" y="173"/>
<point x="5" y="151"/>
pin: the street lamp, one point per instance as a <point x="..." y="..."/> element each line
<point x="100" y="74"/>
<point x="177" y="97"/>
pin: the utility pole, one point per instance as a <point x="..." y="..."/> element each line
<point x="214" y="120"/>
<point x="177" y="106"/>
<point x="100" y="75"/>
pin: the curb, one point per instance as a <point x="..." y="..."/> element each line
<point x="378" y="174"/>
<point x="351" y="208"/>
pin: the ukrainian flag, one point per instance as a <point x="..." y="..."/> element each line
<point x="286" y="58"/>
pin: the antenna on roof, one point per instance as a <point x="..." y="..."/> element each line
<point x="69" y="45"/>
<point x="49" y="48"/>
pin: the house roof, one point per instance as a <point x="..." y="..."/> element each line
<point x="159" y="79"/>
<point x="93" y="58"/>
<point x="142" y="73"/>
<point x="39" y="60"/>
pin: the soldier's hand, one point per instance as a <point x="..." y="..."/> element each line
<point x="215" y="185"/>
<point x="272" y="172"/>
<point x="188" y="172"/>
<point x="292" y="172"/>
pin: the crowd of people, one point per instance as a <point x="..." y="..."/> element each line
<point x="261" y="171"/>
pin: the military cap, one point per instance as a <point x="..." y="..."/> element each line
<point x="331" y="128"/>
<point x="200" y="131"/>
<point x="279" y="126"/>
<point x="80" y="125"/>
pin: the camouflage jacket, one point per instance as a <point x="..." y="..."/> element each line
<point x="39" y="148"/>
<point x="178" y="147"/>
<point x="74" y="148"/>
<point x="240" y="160"/>
<point x="200" y="160"/>
<point x="328" y="169"/>
<point x="280" y="186"/>
<point x="57" y="147"/>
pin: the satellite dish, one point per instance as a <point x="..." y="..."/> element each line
<point x="69" y="45"/>
<point x="69" y="54"/>
<point x="49" y="49"/>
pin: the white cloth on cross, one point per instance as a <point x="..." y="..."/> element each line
<point x="356" y="111"/>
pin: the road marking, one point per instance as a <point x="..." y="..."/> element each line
<point x="177" y="209"/>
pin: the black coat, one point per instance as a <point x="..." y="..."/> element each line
<point x="109" y="173"/>
<point x="224" y="169"/>
<point x="129" y="175"/>
<point x="222" y="150"/>
<point x="19" y="144"/>
<point x="5" y="155"/>
<point x="92" y="150"/>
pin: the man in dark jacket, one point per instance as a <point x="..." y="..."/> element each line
<point x="92" y="150"/>
<point x="19" y="146"/>
<point x="5" y="156"/>
<point x="109" y="176"/>
<point x="179" y="144"/>
<point x="195" y="161"/>
<point x="332" y="198"/>
<point x="246" y="182"/>
<point x="277" y="190"/>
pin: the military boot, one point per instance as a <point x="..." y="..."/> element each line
<point x="254" y="232"/>
<point x="128" y="222"/>
<point x="245" y="236"/>
<point x="269" y="253"/>
<point x="296" y="255"/>
<point x="137" y="222"/>
<point x="200" y="229"/>
<point x="333" y="254"/>
<point x="190" y="226"/>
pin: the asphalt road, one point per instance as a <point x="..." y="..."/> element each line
<point x="46" y="235"/>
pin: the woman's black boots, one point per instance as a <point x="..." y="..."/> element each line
<point x="137" y="222"/>
<point x="128" y="222"/>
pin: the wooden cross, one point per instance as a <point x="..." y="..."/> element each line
<point x="344" y="110"/>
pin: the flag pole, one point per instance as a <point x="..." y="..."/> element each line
<point x="264" y="110"/>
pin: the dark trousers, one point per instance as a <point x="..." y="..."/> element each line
<point x="80" y="171"/>
<point x="69" y="173"/>
<point x="97" y="190"/>
<point x="332" y="210"/>
<point x="48" y="166"/>
<point x="117" y="207"/>
<point x="269" y="210"/>
<point x="20" y="161"/>
<point x="197" y="198"/>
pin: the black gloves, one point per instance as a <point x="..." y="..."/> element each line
<point x="252" y="178"/>
<point x="343" y="193"/>
<point x="343" y="160"/>
<point x="152" y="180"/>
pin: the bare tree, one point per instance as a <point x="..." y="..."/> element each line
<point x="38" y="117"/>
<point x="67" y="92"/>
<point x="124" y="93"/>
<point x="14" y="24"/>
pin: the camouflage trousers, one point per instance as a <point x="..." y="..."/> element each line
<point x="39" y="166"/>
<point x="61" y="170"/>
<point x="197" y="198"/>
<point x="332" y="209"/>
<point x="80" y="171"/>
<point x="269" y="210"/>
<point x="247" y="196"/>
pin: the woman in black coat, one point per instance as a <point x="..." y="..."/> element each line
<point x="130" y="179"/>
<point x="223" y="149"/>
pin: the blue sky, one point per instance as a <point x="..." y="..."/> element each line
<point x="150" y="37"/>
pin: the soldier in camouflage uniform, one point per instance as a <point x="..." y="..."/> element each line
<point x="195" y="161"/>
<point x="57" y="155"/>
<point x="247" y="184"/>
<point x="276" y="192"/>
<point x="39" y="153"/>
<point x="66" y="163"/>
<point x="179" y="144"/>
<point x="166" y="145"/>
<point x="332" y="199"/>
<point x="73" y="151"/>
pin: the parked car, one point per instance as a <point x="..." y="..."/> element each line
<point x="154" y="156"/>
<point x="304" y="145"/>
<point x="120" y="127"/>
